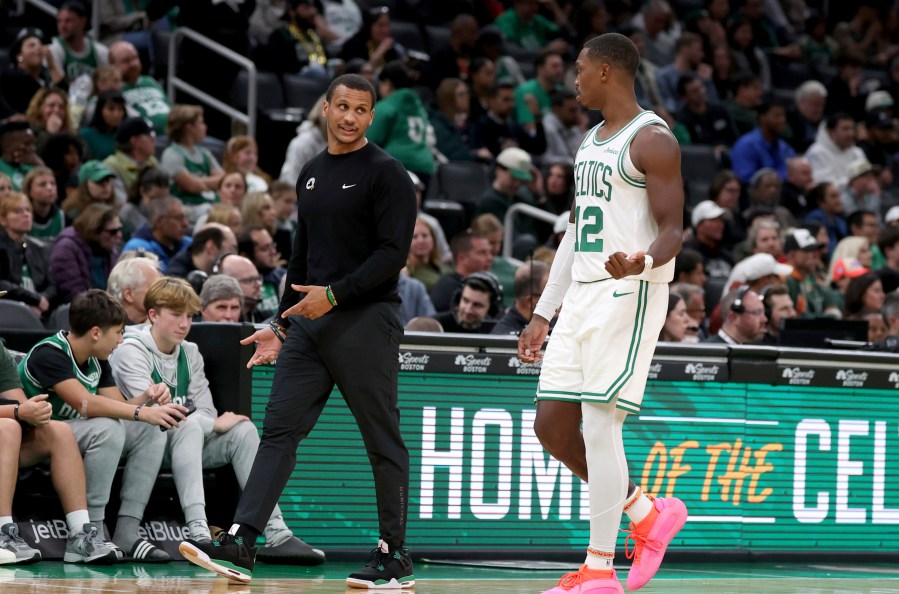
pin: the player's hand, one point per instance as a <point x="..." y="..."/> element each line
<point x="267" y="347"/>
<point x="227" y="421"/>
<point x="36" y="411"/>
<point x="158" y="394"/>
<point x="620" y="265"/>
<point x="530" y="341"/>
<point x="166" y="416"/>
<point x="313" y="306"/>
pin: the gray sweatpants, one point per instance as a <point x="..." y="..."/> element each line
<point x="103" y="443"/>
<point x="237" y="447"/>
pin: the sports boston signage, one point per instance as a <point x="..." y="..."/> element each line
<point x="771" y="451"/>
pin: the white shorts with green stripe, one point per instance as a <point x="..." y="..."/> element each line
<point x="602" y="345"/>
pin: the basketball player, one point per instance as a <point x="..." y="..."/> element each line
<point x="611" y="277"/>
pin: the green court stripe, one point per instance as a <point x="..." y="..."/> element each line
<point x="635" y="340"/>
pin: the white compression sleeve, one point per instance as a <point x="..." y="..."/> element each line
<point x="559" y="277"/>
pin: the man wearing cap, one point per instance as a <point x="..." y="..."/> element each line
<point x="708" y="234"/>
<point x="512" y="171"/>
<point x="18" y="154"/>
<point x="862" y="190"/>
<point x="834" y="149"/>
<point x="744" y="320"/>
<point x="891" y="218"/>
<point x="758" y="271"/>
<point x="811" y="298"/>
<point x="135" y="148"/>
<point x="142" y="93"/>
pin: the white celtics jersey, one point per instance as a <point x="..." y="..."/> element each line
<point x="611" y="205"/>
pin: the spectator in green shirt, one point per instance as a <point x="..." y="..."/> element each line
<point x="525" y="28"/>
<point x="535" y="96"/>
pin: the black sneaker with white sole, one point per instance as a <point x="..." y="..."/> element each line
<point x="385" y="570"/>
<point x="229" y="556"/>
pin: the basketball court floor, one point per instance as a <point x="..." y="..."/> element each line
<point x="432" y="578"/>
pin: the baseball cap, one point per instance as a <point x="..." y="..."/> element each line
<point x="892" y="215"/>
<point x="758" y="266"/>
<point x="94" y="171"/>
<point x="800" y="239"/>
<point x="848" y="268"/>
<point x="858" y="168"/>
<point x="518" y="162"/>
<point x="878" y="100"/>
<point x="879" y="119"/>
<point x="131" y="127"/>
<point x="706" y="210"/>
<point x="2" y="293"/>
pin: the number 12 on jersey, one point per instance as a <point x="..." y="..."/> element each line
<point x="588" y="226"/>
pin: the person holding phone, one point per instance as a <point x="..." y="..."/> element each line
<point x="159" y="353"/>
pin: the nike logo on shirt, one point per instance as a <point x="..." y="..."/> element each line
<point x="348" y="186"/>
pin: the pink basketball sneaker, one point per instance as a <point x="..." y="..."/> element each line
<point x="651" y="537"/>
<point x="586" y="581"/>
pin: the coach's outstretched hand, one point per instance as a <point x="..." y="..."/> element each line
<point x="267" y="347"/>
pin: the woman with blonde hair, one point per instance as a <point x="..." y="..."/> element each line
<point x="48" y="219"/>
<point x="24" y="261"/>
<point x="242" y="155"/>
<point x="851" y="248"/>
<point x="194" y="170"/>
<point x="258" y="210"/>
<point x="423" y="262"/>
<point x="227" y="215"/>
<point x="48" y="114"/>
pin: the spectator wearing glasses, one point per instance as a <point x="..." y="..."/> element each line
<point x="84" y="254"/>
<point x="745" y="320"/>
<point x="256" y="244"/>
<point x="246" y="274"/>
<point x="165" y="234"/>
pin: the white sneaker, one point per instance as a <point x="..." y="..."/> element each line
<point x="12" y="542"/>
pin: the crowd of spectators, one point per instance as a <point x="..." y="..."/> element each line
<point x="792" y="210"/>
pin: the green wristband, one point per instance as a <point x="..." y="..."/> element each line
<point x="330" y="294"/>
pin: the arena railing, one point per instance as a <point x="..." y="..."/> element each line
<point x="508" y="224"/>
<point x="175" y="83"/>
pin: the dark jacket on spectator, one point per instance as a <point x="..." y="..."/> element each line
<point x="36" y="254"/>
<point x="71" y="264"/>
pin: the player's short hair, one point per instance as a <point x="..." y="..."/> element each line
<point x="615" y="49"/>
<point x="95" y="308"/>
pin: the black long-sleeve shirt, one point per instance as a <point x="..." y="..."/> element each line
<point x="356" y="213"/>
